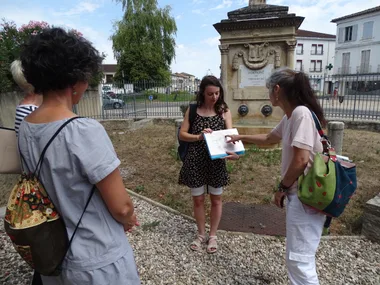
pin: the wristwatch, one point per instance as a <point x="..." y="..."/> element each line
<point x="282" y="188"/>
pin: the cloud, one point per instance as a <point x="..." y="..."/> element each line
<point x="225" y="4"/>
<point x="82" y="7"/>
<point x="22" y="15"/>
<point x="196" y="2"/>
<point x="178" y="17"/>
<point x="214" y="41"/>
<point x="198" y="11"/>
<point x="197" y="60"/>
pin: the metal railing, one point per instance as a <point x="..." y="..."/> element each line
<point x="344" y="70"/>
<point x="364" y="68"/>
<point x="357" y="98"/>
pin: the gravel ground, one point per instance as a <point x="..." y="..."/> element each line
<point x="163" y="257"/>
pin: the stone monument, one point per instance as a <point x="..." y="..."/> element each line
<point x="255" y="40"/>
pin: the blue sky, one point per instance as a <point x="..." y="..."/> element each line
<point x="197" y="40"/>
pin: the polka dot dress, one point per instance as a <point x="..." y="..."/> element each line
<point x="198" y="169"/>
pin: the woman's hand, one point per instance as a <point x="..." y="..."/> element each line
<point x="279" y="198"/>
<point x="231" y="156"/>
<point x="131" y="223"/>
<point x="232" y="138"/>
<point x="205" y="131"/>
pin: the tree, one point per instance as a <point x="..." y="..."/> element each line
<point x="11" y="40"/>
<point x="143" y="41"/>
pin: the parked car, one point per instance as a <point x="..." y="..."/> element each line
<point x="113" y="103"/>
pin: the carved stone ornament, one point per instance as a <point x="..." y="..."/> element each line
<point x="224" y="48"/>
<point x="291" y="44"/>
<point x="258" y="56"/>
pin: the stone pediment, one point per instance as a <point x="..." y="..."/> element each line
<point x="259" y="12"/>
<point x="259" y="16"/>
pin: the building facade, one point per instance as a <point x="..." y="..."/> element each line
<point x="358" y="43"/>
<point x="314" y="55"/>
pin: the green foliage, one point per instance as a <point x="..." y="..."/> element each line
<point x="11" y="41"/>
<point x="143" y="41"/>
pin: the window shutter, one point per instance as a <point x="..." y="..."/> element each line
<point x="341" y="35"/>
<point x="354" y="32"/>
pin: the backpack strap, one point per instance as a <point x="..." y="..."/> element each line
<point x="39" y="163"/>
<point x="192" y="115"/>
<point x="325" y="140"/>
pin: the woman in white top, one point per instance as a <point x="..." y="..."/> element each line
<point x="31" y="100"/>
<point x="291" y="91"/>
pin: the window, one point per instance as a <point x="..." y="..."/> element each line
<point x="319" y="66"/>
<point x="313" y="65"/>
<point x="364" y="65"/>
<point x="299" y="49"/>
<point x="299" y="66"/>
<point x="313" y="49"/>
<point x="348" y="34"/>
<point x="320" y="49"/>
<point x="109" y="78"/>
<point x="345" y="63"/>
<point x="367" y="30"/>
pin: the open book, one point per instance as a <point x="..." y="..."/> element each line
<point x="217" y="144"/>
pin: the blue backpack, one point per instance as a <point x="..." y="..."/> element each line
<point x="184" y="146"/>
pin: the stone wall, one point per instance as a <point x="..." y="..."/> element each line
<point x="371" y="219"/>
<point x="89" y="106"/>
<point x="8" y="103"/>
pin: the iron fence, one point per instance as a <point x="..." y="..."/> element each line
<point x="353" y="97"/>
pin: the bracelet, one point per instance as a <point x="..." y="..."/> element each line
<point x="282" y="188"/>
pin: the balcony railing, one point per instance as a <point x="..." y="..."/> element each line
<point x="364" y="68"/>
<point x="317" y="52"/>
<point x="316" y="69"/>
<point x="344" y="70"/>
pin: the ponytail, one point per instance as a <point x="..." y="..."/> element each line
<point x="297" y="89"/>
<point x="304" y="95"/>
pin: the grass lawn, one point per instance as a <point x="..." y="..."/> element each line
<point x="149" y="167"/>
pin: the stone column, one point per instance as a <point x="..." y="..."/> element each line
<point x="291" y="46"/>
<point x="224" y="54"/>
<point x="335" y="134"/>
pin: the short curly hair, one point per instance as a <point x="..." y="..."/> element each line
<point x="55" y="59"/>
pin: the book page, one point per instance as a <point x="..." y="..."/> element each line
<point x="217" y="144"/>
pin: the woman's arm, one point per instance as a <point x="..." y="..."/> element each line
<point x="183" y="133"/>
<point x="295" y="170"/>
<point x="117" y="199"/>
<point x="296" y="167"/>
<point x="262" y="139"/>
<point x="228" y="119"/>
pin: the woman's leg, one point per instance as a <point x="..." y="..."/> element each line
<point x="216" y="211"/>
<point x="199" y="208"/>
<point x="303" y="233"/>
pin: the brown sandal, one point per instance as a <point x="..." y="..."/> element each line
<point x="196" y="245"/>
<point x="212" y="245"/>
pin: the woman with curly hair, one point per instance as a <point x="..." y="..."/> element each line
<point x="199" y="172"/>
<point x="59" y="65"/>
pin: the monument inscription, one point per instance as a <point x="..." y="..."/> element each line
<point x="254" y="78"/>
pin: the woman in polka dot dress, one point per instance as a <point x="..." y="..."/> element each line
<point x="199" y="172"/>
